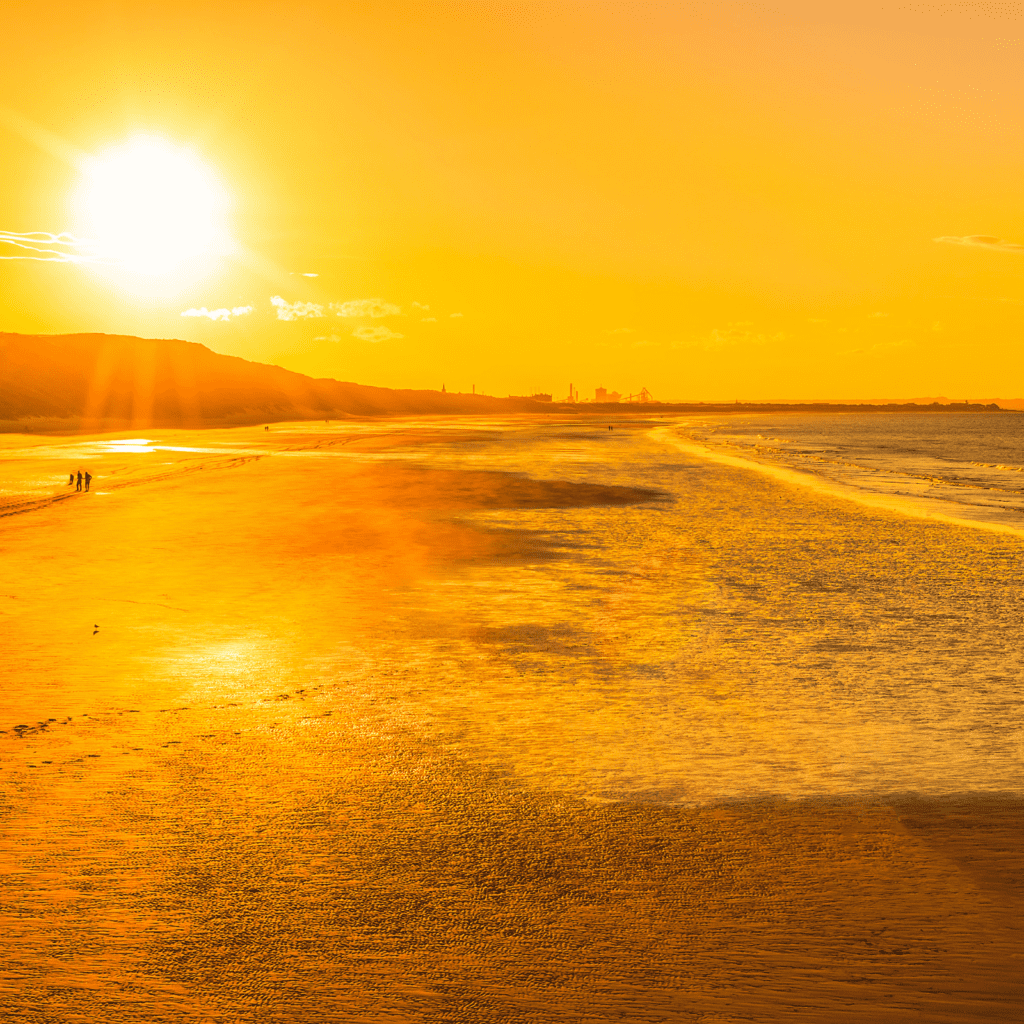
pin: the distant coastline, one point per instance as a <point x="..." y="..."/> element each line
<point x="95" y="383"/>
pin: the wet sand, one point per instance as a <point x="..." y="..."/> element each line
<point x="214" y="809"/>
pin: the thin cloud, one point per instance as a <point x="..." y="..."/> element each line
<point x="327" y="337"/>
<point x="295" y="310"/>
<point x="982" y="242"/>
<point x="622" y="330"/>
<point x="366" y="307"/>
<point x="219" y="314"/>
<point x="882" y="346"/>
<point x="49" y="248"/>
<point x="735" y="334"/>
<point x="420" y="305"/>
<point x="374" y="308"/>
<point x="375" y="334"/>
<point x="428" y="319"/>
<point x="877" y="316"/>
<point x="453" y="315"/>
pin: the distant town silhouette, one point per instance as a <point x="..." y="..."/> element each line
<point x="100" y="381"/>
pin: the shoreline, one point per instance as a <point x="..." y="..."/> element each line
<point x="77" y="426"/>
<point x="901" y="506"/>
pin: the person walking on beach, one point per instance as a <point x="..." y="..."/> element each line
<point x="79" y="487"/>
<point x="71" y="479"/>
<point x="88" y="479"/>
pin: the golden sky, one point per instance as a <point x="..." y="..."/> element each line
<point x="713" y="200"/>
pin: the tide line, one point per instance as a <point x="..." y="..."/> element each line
<point x="902" y="506"/>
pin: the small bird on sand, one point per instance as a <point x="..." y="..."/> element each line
<point x="95" y="629"/>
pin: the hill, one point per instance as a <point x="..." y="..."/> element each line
<point x="101" y="381"/>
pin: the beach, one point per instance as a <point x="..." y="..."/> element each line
<point x="364" y="723"/>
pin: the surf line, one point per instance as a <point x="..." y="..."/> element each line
<point x="902" y="506"/>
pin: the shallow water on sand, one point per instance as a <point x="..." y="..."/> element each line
<point x="731" y="636"/>
<point x="740" y="636"/>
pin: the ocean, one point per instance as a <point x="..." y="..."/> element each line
<point x="815" y="605"/>
<point x="964" y="467"/>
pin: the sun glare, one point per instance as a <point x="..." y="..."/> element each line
<point x="153" y="208"/>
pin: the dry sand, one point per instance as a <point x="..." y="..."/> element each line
<point x="210" y="811"/>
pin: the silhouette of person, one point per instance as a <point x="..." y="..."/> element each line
<point x="88" y="479"/>
<point x="79" y="487"/>
<point x="71" y="479"/>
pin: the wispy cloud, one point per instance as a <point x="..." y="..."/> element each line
<point x="366" y="307"/>
<point x="982" y="242"/>
<point x="877" y="316"/>
<point x="375" y="334"/>
<point x="219" y="314"/>
<point x="622" y="330"/>
<point x="327" y="337"/>
<point x="373" y="308"/>
<point x="734" y="334"/>
<point x="420" y="305"/>
<point x="295" y="310"/>
<point x="428" y="319"/>
<point x="882" y="346"/>
<point x="49" y="248"/>
<point x="453" y="315"/>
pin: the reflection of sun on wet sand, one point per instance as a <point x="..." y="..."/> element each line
<point x="217" y="808"/>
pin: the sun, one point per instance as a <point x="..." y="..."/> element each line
<point x="153" y="208"/>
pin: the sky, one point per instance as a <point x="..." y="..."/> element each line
<point x="715" y="201"/>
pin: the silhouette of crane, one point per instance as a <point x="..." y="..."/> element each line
<point x="643" y="396"/>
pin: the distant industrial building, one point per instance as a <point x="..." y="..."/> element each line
<point x="601" y="395"/>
